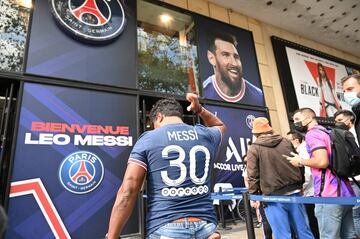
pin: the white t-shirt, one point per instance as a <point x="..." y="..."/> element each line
<point x="308" y="185"/>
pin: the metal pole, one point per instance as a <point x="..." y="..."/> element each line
<point x="222" y="211"/>
<point x="248" y="217"/>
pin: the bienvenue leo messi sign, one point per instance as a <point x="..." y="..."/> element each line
<point x="70" y="158"/>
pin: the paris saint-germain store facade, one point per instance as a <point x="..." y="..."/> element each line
<point x="87" y="83"/>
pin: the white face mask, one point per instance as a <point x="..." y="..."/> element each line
<point x="351" y="98"/>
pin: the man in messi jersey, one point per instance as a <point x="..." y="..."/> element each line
<point x="176" y="159"/>
<point x="228" y="83"/>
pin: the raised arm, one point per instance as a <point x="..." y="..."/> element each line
<point x="210" y="120"/>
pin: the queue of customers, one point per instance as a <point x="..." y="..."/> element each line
<point x="307" y="148"/>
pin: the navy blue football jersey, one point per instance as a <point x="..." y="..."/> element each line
<point x="249" y="93"/>
<point x="178" y="159"/>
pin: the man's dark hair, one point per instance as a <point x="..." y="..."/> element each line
<point x="212" y="36"/>
<point x="355" y="76"/>
<point x="307" y="111"/>
<point x="296" y="135"/>
<point x="346" y="113"/>
<point x="167" y="107"/>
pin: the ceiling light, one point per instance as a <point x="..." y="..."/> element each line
<point x="165" y="18"/>
<point x="25" y="3"/>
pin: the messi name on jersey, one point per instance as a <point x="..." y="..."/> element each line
<point x="182" y="135"/>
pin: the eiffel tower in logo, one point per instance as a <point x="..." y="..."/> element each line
<point x="82" y="175"/>
<point x="90" y="8"/>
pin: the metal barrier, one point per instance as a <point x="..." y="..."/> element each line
<point x="235" y="194"/>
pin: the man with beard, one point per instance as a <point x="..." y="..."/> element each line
<point x="228" y="83"/>
<point x="351" y="89"/>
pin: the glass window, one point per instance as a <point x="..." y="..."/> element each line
<point x="167" y="54"/>
<point x="14" y="21"/>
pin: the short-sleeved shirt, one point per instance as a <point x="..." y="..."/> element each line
<point x="317" y="138"/>
<point x="249" y="93"/>
<point x="178" y="159"/>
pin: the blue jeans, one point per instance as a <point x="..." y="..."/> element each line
<point x="184" y="230"/>
<point x="284" y="216"/>
<point x="356" y="210"/>
<point x="335" y="221"/>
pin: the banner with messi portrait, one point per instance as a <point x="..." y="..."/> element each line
<point x="229" y="164"/>
<point x="228" y="64"/>
<point x="71" y="154"/>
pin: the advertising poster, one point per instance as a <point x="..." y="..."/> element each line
<point x="71" y="154"/>
<point x="317" y="82"/>
<point x="228" y="64"/>
<point x="90" y="41"/>
<point x="228" y="166"/>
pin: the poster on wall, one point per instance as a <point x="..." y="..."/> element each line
<point x="317" y="82"/>
<point x="229" y="164"/>
<point x="71" y="154"/>
<point x="228" y="65"/>
<point x="75" y="40"/>
<point x="310" y="78"/>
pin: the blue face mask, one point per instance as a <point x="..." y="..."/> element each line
<point x="351" y="98"/>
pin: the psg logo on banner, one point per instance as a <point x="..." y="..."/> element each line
<point x="249" y="121"/>
<point x="92" y="20"/>
<point x="81" y="172"/>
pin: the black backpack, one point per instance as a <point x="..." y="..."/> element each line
<point x="345" y="161"/>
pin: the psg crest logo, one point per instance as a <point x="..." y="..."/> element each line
<point x="249" y="121"/>
<point x="81" y="172"/>
<point x="93" y="20"/>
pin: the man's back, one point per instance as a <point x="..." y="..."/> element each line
<point x="277" y="175"/>
<point x="178" y="159"/>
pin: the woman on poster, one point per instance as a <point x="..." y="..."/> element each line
<point x="329" y="103"/>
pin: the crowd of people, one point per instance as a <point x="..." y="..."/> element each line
<point x="176" y="159"/>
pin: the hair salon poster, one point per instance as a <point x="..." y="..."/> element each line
<point x="317" y="82"/>
<point x="71" y="154"/>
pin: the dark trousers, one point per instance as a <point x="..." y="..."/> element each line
<point x="312" y="220"/>
<point x="266" y="226"/>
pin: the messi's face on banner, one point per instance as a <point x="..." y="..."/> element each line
<point x="226" y="61"/>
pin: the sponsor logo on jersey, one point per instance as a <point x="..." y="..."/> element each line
<point x="92" y="20"/>
<point x="181" y="192"/>
<point x="81" y="172"/>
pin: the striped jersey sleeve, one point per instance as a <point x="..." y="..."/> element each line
<point x="138" y="154"/>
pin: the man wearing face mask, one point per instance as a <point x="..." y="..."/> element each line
<point x="299" y="144"/>
<point x="335" y="221"/>
<point x="351" y="89"/>
<point x="270" y="174"/>
<point x="345" y="120"/>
